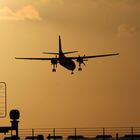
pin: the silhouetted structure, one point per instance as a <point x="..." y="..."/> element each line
<point x="39" y="137"/>
<point x="76" y="137"/>
<point x="104" y="137"/>
<point x="14" y="116"/>
<point x="49" y="137"/>
<point x="12" y="138"/>
<point x="132" y="137"/>
<point x="109" y="133"/>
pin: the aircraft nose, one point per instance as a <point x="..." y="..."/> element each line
<point x="73" y="66"/>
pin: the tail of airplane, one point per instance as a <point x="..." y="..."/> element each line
<point x="60" y="49"/>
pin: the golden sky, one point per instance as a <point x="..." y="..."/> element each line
<point x="105" y="93"/>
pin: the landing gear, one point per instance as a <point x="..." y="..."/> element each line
<point x="79" y="69"/>
<point x="72" y="72"/>
<point x="81" y="60"/>
<point x="53" y="70"/>
<point x="54" y="64"/>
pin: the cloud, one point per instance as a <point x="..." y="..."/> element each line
<point x="52" y="1"/>
<point x="28" y="12"/>
<point x="125" y="30"/>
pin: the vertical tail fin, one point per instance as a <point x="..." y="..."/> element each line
<point x="60" y="47"/>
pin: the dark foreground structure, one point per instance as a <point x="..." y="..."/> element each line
<point x="12" y="132"/>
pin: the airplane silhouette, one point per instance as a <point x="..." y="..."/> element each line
<point x="64" y="61"/>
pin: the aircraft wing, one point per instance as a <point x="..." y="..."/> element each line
<point x="33" y="58"/>
<point x="93" y="56"/>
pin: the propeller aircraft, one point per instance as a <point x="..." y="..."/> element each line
<point x="66" y="62"/>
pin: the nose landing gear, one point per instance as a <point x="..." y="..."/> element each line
<point x="72" y="73"/>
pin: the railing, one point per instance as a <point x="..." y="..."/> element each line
<point x="83" y="133"/>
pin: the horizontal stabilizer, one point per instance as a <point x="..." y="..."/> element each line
<point x="50" y="53"/>
<point x="70" y="52"/>
<point x="58" y="53"/>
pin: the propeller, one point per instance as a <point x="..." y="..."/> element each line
<point x="81" y="60"/>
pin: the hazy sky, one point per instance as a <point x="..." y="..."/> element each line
<point x="105" y="93"/>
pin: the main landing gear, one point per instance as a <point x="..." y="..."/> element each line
<point x="54" y="64"/>
<point x="81" y="60"/>
<point x="53" y="70"/>
<point x="54" y="67"/>
<point x="80" y="69"/>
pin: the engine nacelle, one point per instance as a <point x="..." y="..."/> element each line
<point x="80" y="60"/>
<point x="53" y="61"/>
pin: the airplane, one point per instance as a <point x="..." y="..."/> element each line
<point x="63" y="60"/>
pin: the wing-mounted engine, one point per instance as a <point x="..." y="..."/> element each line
<point x="54" y="62"/>
<point x="81" y="60"/>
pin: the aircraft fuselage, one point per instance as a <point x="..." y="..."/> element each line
<point x="66" y="62"/>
